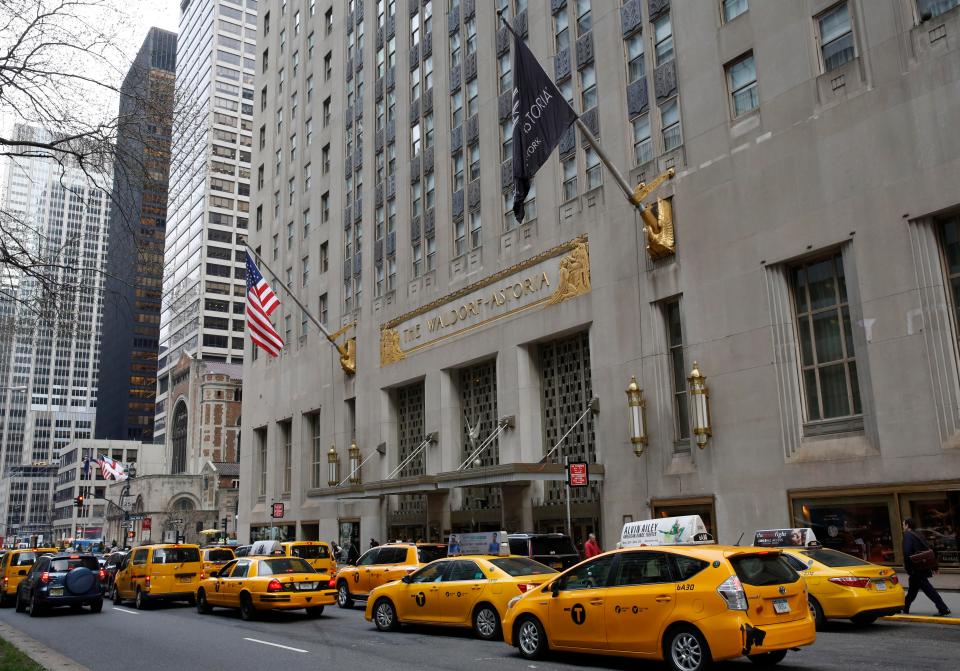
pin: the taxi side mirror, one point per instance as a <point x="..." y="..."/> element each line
<point x="214" y="574"/>
<point x="555" y="587"/>
<point x="406" y="579"/>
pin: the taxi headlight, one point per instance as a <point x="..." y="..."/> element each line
<point x="512" y="602"/>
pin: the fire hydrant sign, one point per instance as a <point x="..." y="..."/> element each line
<point x="277" y="510"/>
<point x="578" y="474"/>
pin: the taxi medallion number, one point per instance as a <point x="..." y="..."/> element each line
<point x="781" y="606"/>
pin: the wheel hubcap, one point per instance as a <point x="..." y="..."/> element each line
<point x="686" y="652"/>
<point x="384" y="615"/>
<point x="486" y="622"/>
<point x="342" y="595"/>
<point x="529" y="637"/>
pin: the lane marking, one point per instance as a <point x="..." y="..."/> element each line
<point x="275" y="645"/>
<point x="124" y="610"/>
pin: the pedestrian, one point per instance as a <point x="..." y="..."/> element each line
<point x="373" y="543"/>
<point x="919" y="577"/>
<point x="591" y="548"/>
<point x="353" y="553"/>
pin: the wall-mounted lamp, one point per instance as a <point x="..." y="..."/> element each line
<point x="333" y="467"/>
<point x="700" y="400"/>
<point x="354" y="464"/>
<point x="637" y="406"/>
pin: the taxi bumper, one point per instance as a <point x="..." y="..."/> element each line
<point x="851" y="601"/>
<point x="755" y="639"/>
<point x="294" y="600"/>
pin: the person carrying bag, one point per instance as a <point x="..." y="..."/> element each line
<point x="920" y="562"/>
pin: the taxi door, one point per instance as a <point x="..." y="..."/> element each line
<point x="136" y="573"/>
<point x="384" y="568"/>
<point x="217" y="596"/>
<point x="421" y="599"/>
<point x="576" y="611"/>
<point x="459" y="591"/>
<point x="639" y="601"/>
<point x="361" y="575"/>
<point x="232" y="585"/>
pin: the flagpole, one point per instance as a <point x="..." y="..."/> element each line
<point x="617" y="175"/>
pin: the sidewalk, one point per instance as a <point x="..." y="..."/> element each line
<point x="923" y="609"/>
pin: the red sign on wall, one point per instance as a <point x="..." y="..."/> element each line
<point x="277" y="510"/>
<point x="578" y="474"/>
<point x="147" y="524"/>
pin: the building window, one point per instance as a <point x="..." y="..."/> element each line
<point x="733" y="8"/>
<point x="328" y="21"/>
<point x="306" y="224"/>
<point x="506" y="138"/>
<point x="742" y="80"/>
<point x="594" y="175"/>
<point x="417" y="259"/>
<point x="583" y="17"/>
<point x="836" y="37"/>
<point x="304" y="270"/>
<point x="663" y="38"/>
<point x="634" y="45"/>
<point x="529" y="208"/>
<point x="471" y="28"/>
<point x="825" y="336"/>
<point x="670" y="125"/>
<point x="456" y="108"/>
<point x="285" y="430"/>
<point x="504" y="73"/>
<point x="476" y="230"/>
<point x="561" y="27"/>
<point x="318" y="456"/>
<point x="929" y="9"/>
<point x="262" y="463"/>
<point x="325" y="207"/>
<point x="588" y="88"/>
<point x="642" y="142"/>
<point x="458" y="171"/>
<point x="474" y="151"/>
<point x="178" y="439"/>
<point x="569" y="165"/>
<point x="678" y="370"/>
<point x="473" y="97"/>
<point x="322" y="309"/>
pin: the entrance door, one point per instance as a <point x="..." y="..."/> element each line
<point x="577" y="611"/>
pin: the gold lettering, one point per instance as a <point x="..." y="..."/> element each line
<point x="517" y="290"/>
<point x="528" y="286"/>
<point x="544" y="280"/>
<point x="433" y="323"/>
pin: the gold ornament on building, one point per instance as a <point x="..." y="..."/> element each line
<point x="658" y="225"/>
<point x="390" y="351"/>
<point x="637" y="406"/>
<point x="333" y="467"/>
<point x="347" y="351"/>
<point x="354" y="464"/>
<point x="700" y="402"/>
<point x="574" y="275"/>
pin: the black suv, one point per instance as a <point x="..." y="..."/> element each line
<point x="555" y="550"/>
<point x="61" y="580"/>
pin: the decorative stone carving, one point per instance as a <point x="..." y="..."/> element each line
<point x="415" y="169"/>
<point x="520" y="23"/>
<point x="349" y="69"/>
<point x="378" y="141"/>
<point x="391" y="186"/>
<point x="427" y="100"/>
<point x="415" y="229"/>
<point x="414" y="56"/>
<point x="557" y="5"/>
<point x="585" y="50"/>
<point x="505" y="104"/>
<point x="456" y="139"/>
<point x="358" y="62"/>
<point x="358" y="158"/>
<point x="469" y="8"/>
<point x="568" y="140"/>
<point x="453" y="20"/>
<point x="427" y="44"/>
<point x="413" y="6"/>
<point x="506" y="174"/>
<point x="415" y="111"/>
<point x="378" y="250"/>
<point x="458" y="203"/>
<point x="428" y="160"/>
<point x="665" y="80"/>
<point x="378" y="88"/>
<point x="358" y="209"/>
<point x="429" y="222"/>
<point x="630" y="17"/>
<point x="379" y="37"/>
<point x="390" y="350"/>
<point x="503" y="40"/>
<point x="470" y="67"/>
<point x="391" y="130"/>
<point x="357" y="263"/>
<point x="591" y="119"/>
<point x="473" y="128"/>
<point x="347" y="165"/>
<point x="574" y="275"/>
<point x="391" y="243"/>
<point x="561" y="64"/>
<point x="391" y="26"/>
<point x="638" y="98"/>
<point x="391" y="78"/>
<point x="657" y="7"/>
<point x="347" y="268"/>
<point x="378" y="194"/>
<point x="347" y="217"/>
<point x="454" y="79"/>
<point x="473" y="194"/>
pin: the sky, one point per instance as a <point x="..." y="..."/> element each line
<point x="148" y="13"/>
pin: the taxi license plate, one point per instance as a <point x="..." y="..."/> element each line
<point x="306" y="586"/>
<point x="184" y="578"/>
<point x="56" y="591"/>
<point x="556" y="564"/>
<point x="881" y="586"/>
<point x="781" y="606"/>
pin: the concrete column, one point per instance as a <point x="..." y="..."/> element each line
<point x="450" y="445"/>
<point x="438" y="515"/>
<point x="517" y="507"/>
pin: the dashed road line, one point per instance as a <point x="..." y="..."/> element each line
<point x="275" y="645"/>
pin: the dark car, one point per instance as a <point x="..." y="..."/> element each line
<point x="554" y="550"/>
<point x="111" y="566"/>
<point x="62" y="580"/>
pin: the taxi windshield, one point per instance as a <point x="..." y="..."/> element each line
<point x="551" y="545"/>
<point x="175" y="555"/>
<point x="834" y="559"/>
<point x="310" y="551"/>
<point x="517" y="566"/>
<point x="281" y="566"/>
<point x="761" y="570"/>
<point x="219" y="555"/>
<point x="427" y="553"/>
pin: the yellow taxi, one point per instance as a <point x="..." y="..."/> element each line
<point x="160" y="572"/>
<point x="469" y="589"/>
<point x="214" y="558"/>
<point x="839" y="586"/>
<point x="660" y="598"/>
<point x="316" y="553"/>
<point x="380" y="565"/>
<point x="254" y="584"/>
<point x="14" y="565"/>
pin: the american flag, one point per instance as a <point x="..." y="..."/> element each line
<point x="261" y="302"/>
<point x="111" y="468"/>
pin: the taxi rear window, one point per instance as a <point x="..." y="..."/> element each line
<point x="551" y="546"/>
<point x="310" y="551"/>
<point x="285" y="565"/>
<point x="834" y="559"/>
<point x="428" y="553"/>
<point x="25" y="559"/>
<point x="219" y="555"/>
<point x="175" y="555"/>
<point x="763" y="569"/>
<point x="517" y="566"/>
<point x="62" y="564"/>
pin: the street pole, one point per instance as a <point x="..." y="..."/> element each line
<point x="566" y="461"/>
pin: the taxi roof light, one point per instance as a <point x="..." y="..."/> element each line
<point x="732" y="592"/>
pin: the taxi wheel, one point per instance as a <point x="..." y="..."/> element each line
<point x="140" y="600"/>
<point x="686" y="649"/>
<point x="768" y="659"/>
<point x="385" y="615"/>
<point x="343" y="595"/>
<point x="117" y="601"/>
<point x="203" y="606"/>
<point x="247" y="611"/>
<point x="817" y="611"/>
<point x="531" y="639"/>
<point x="486" y="622"/>
<point x="315" y="611"/>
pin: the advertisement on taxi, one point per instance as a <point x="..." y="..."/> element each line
<point x="665" y="531"/>
<point x="485" y="543"/>
<point x="782" y="538"/>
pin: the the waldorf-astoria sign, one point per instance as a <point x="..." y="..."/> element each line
<point x="549" y="278"/>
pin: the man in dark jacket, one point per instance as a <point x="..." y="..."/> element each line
<point x="919" y="578"/>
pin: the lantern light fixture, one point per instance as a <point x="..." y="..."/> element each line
<point x="333" y="467"/>
<point x="637" y="407"/>
<point x="354" y="464"/>
<point x="700" y="402"/>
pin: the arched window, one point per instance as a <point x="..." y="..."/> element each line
<point x="179" y="438"/>
<point x="183" y="506"/>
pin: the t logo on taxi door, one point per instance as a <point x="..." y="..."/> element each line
<point x="578" y="613"/>
<point x="421" y="599"/>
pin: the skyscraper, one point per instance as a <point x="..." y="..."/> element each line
<point x="131" y="315"/>
<point x="203" y="289"/>
<point x="49" y="342"/>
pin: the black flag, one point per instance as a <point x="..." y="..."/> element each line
<point x="541" y="115"/>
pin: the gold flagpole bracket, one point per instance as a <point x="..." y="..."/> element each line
<point x="658" y="225"/>
<point x="347" y="350"/>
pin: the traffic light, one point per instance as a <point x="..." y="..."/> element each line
<point x="79" y="501"/>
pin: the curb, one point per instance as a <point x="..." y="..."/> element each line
<point x="46" y="657"/>
<point x="925" y="619"/>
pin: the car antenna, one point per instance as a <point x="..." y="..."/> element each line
<point x="739" y="539"/>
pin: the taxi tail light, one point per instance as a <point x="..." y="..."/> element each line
<point x="103" y="575"/>
<point x="850" y="581"/>
<point x="524" y="587"/>
<point x="895" y="580"/>
<point x="147" y="582"/>
<point x="6" y="581"/>
<point x="45" y="577"/>
<point x="732" y="592"/>
<point x="332" y="583"/>
<point x="275" y="586"/>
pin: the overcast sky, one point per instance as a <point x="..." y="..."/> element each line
<point x="149" y="13"/>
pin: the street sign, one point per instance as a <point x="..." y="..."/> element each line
<point x="147" y="523"/>
<point x="578" y="474"/>
<point x="277" y="510"/>
<point x="176" y="520"/>
<point x="136" y="517"/>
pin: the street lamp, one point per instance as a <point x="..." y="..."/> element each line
<point x="333" y="466"/>
<point x="354" y="464"/>
<point x="637" y="406"/>
<point x="700" y="400"/>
